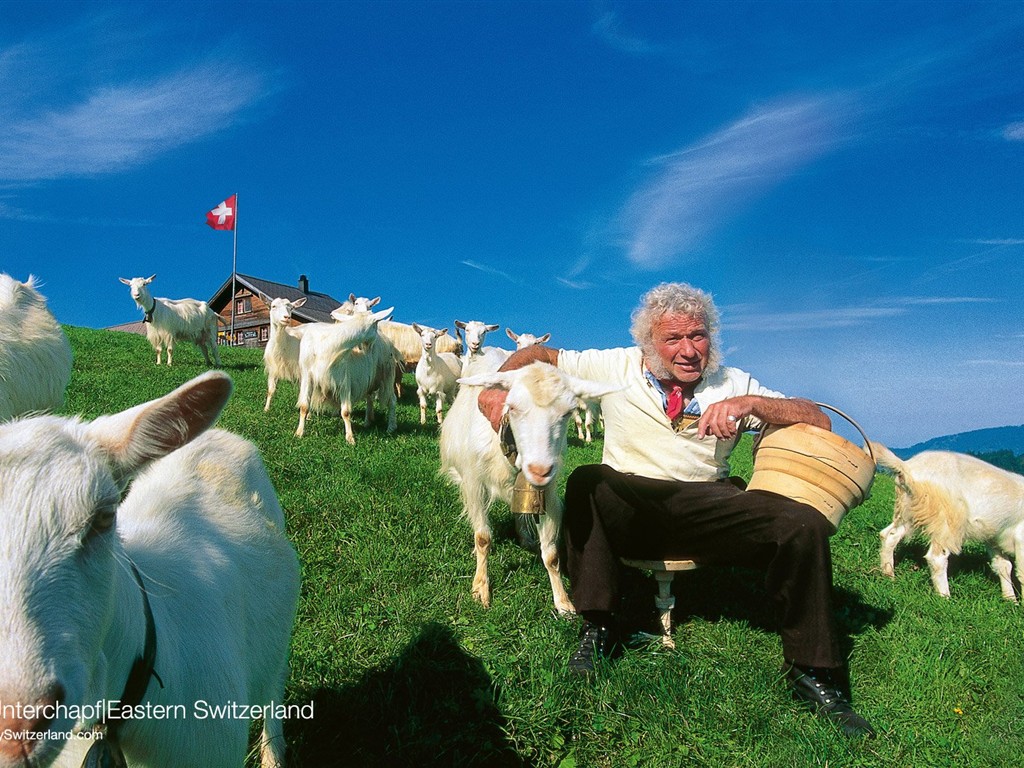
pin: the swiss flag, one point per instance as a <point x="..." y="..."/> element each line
<point x="223" y="216"/>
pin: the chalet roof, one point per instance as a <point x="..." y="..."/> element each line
<point x="317" y="308"/>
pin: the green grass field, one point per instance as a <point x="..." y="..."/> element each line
<point x="405" y="669"/>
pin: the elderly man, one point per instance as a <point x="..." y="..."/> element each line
<point x="662" y="489"/>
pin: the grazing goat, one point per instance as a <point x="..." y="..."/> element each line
<point x="344" y="362"/>
<point x="955" y="498"/>
<point x="540" y="399"/>
<point x="436" y="372"/>
<point x="281" y="355"/>
<point x="180" y="596"/>
<point x="35" y="356"/>
<point x="172" y="320"/>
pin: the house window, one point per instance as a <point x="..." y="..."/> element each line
<point x="242" y="306"/>
<point x="264" y="333"/>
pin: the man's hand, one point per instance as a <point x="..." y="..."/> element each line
<point x="722" y="419"/>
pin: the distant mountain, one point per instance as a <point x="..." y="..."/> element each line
<point x="977" y="441"/>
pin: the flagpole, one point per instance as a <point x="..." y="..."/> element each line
<point x="234" y="265"/>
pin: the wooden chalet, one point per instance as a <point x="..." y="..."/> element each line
<point x="251" y="301"/>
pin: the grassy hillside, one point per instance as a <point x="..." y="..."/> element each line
<point x="404" y="668"/>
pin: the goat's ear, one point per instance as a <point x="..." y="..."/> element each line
<point x="417" y="327"/>
<point x="460" y="324"/>
<point x="126" y="282"/>
<point x="590" y="390"/>
<point x="492" y="327"/>
<point x="352" y="298"/>
<point x="492" y="380"/>
<point x="373" y="302"/>
<point x="298" y="302"/>
<point x="384" y="314"/>
<point x="508" y="332"/>
<point x="150" y="279"/>
<point x="544" y="339"/>
<point x="443" y="332"/>
<point x="133" y="438"/>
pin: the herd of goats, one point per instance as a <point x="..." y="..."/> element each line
<point x="128" y="542"/>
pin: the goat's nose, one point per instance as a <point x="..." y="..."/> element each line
<point x="540" y="473"/>
<point x="22" y="723"/>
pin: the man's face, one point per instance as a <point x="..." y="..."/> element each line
<point x="683" y="344"/>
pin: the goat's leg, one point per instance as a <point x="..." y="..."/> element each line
<point x="579" y="424"/>
<point x="170" y="352"/>
<point x="475" y="503"/>
<point x="439" y="408"/>
<point x="346" y="416"/>
<point x="938" y="564"/>
<point x="1003" y="568"/>
<point x="303" y="405"/>
<point x="159" y="353"/>
<point x="388" y="395"/>
<point x="1018" y="556"/>
<point x="588" y="427"/>
<point x="422" y="395"/>
<point x="272" y="745"/>
<point x="213" y="348"/>
<point x="549" y="526"/>
<point x="891" y="536"/>
<point x="271" y="389"/>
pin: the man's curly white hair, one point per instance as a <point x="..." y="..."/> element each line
<point x="675" y="298"/>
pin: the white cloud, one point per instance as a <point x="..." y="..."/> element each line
<point x="608" y="28"/>
<point x="125" y="125"/>
<point x="691" y="192"/>
<point x="1003" y="241"/>
<point x="750" y="318"/>
<point x="1014" y="131"/>
<point x="491" y="271"/>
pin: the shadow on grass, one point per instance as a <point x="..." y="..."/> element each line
<point x="432" y="706"/>
<point x="736" y="594"/>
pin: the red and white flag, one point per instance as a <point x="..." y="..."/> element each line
<point x="223" y="216"/>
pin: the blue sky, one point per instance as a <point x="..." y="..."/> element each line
<point x="845" y="178"/>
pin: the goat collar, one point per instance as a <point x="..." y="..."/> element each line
<point x="507" y="440"/>
<point x="148" y="316"/>
<point x="107" y="751"/>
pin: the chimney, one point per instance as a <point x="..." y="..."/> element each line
<point x="303" y="283"/>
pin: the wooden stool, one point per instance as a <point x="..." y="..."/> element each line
<point x="664" y="572"/>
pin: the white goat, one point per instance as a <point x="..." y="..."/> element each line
<point x="281" y="355"/>
<point x="523" y="340"/>
<point x="540" y="399"/>
<point x="436" y="372"/>
<point x="172" y="320"/>
<point x="192" y="566"/>
<point x="344" y="362"/>
<point x="35" y="356"/>
<point x="955" y="498"/>
<point x="589" y="413"/>
<point x="477" y="357"/>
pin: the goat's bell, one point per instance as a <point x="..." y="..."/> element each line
<point x="527" y="499"/>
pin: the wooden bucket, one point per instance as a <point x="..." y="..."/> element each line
<point x="814" y="466"/>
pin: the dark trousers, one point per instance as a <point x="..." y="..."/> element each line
<point x="609" y="515"/>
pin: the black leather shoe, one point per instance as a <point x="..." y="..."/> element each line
<point x="817" y="687"/>
<point x="596" y="642"/>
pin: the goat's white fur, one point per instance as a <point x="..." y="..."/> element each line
<point x="954" y="498"/>
<point x="173" y="320"/>
<point x="539" y="402"/>
<point x="478" y="358"/>
<point x="203" y="526"/>
<point x="436" y="372"/>
<point x="344" y="362"/>
<point x="281" y="355"/>
<point x="523" y="340"/>
<point x="35" y="356"/>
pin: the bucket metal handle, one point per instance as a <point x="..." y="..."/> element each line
<point x="867" y="443"/>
